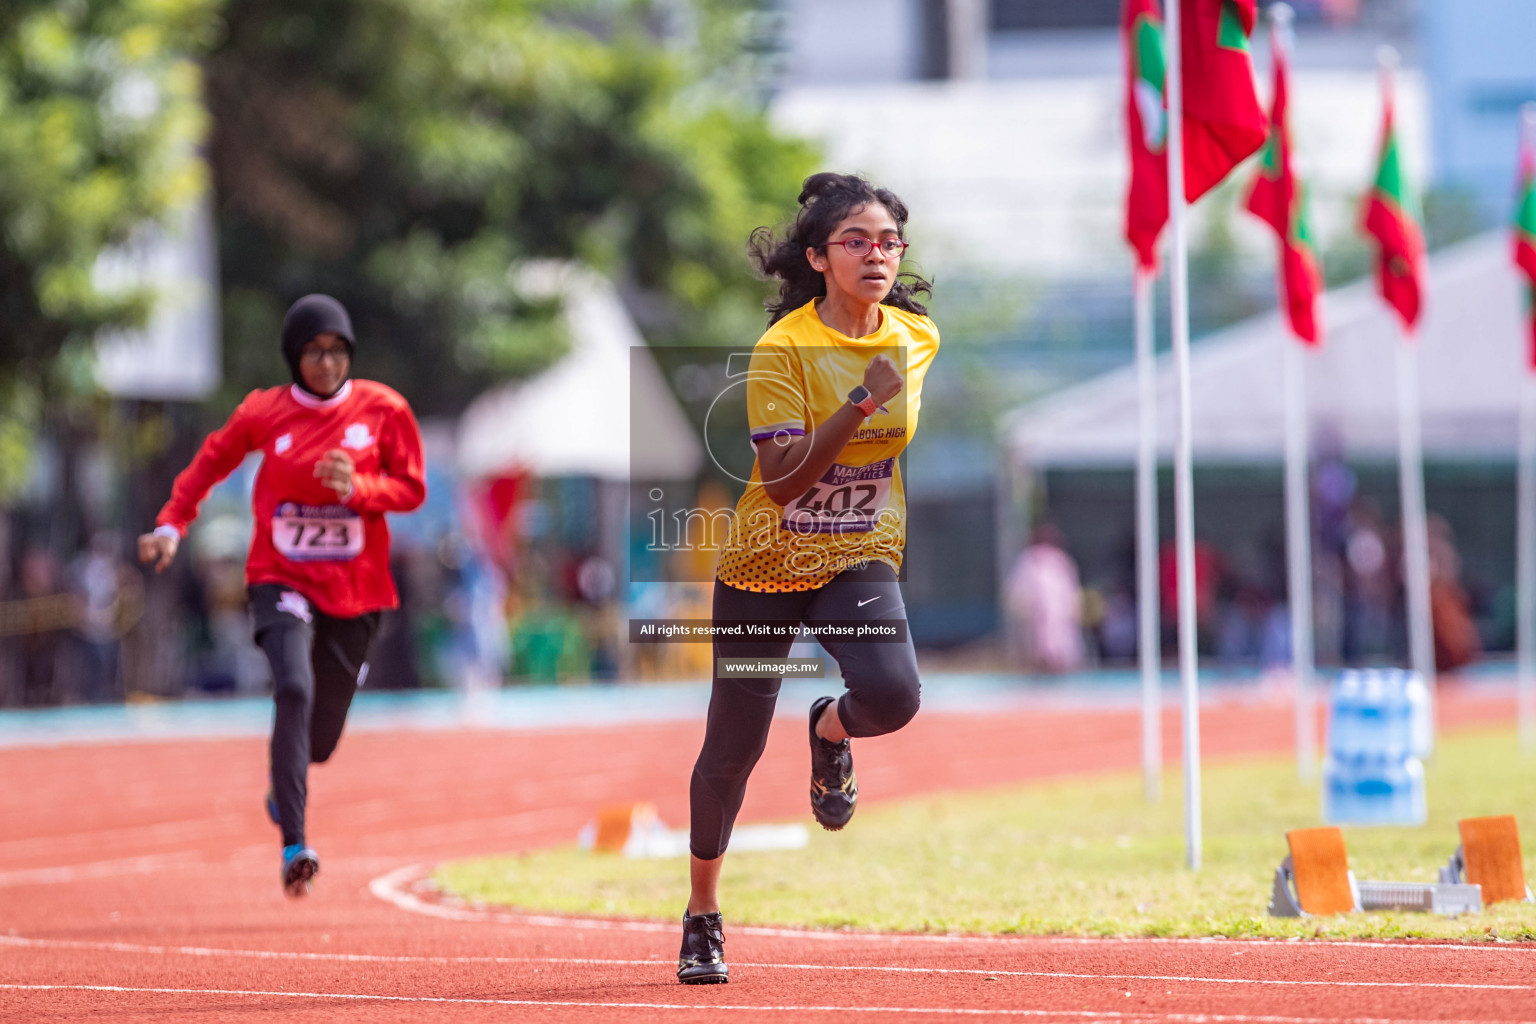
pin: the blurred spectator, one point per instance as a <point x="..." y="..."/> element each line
<point x="1045" y="600"/>
<point x="1118" y="626"/>
<point x="1370" y="588"/>
<point x="1254" y="630"/>
<point x="42" y="632"/>
<point x="1209" y="571"/>
<point x="1456" y="639"/>
<point x="102" y="584"/>
<point x="1333" y="491"/>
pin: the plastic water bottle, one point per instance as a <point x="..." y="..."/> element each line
<point x="1378" y="721"/>
<point x="1374" y="789"/>
<point x="1339" y="805"/>
<point x="1343" y="714"/>
<point x="1421" y="716"/>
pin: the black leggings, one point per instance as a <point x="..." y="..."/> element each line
<point x="881" y="683"/>
<point x="316" y="664"/>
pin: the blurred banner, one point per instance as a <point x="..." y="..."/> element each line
<point x="176" y="356"/>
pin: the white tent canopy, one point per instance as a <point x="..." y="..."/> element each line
<point x="1473" y="339"/>
<point x="574" y="419"/>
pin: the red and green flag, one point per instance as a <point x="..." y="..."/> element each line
<point x="1223" y="121"/>
<point x="1392" y="218"/>
<point x="1146" y="121"/>
<point x="1525" y="232"/>
<point x="1279" y="198"/>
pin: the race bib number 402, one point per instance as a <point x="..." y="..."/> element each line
<point x="317" y="533"/>
<point x="847" y="499"/>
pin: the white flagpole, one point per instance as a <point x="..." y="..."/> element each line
<point x="1410" y="474"/>
<point x="1183" y="461"/>
<point x="1298" y="548"/>
<point x="1298" y="518"/>
<point x="1525" y="561"/>
<point x="1525" y="539"/>
<point x="1410" y="456"/>
<point x="1149" y="640"/>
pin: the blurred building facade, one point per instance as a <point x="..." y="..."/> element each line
<point x="1477" y="57"/>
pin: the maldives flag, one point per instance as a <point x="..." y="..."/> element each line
<point x="1146" y="127"/>
<point x="1223" y="122"/>
<point x="1279" y="198"/>
<point x="1392" y="217"/>
<point x="1525" y="235"/>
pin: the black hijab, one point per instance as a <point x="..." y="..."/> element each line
<point x="312" y="315"/>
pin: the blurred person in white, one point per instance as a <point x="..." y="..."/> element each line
<point x="1045" y="603"/>
<point x="1370" y="586"/>
<point x="99" y="579"/>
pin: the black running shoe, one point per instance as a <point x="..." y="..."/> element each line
<point x="300" y="865"/>
<point x="702" y="961"/>
<point x="834" y="786"/>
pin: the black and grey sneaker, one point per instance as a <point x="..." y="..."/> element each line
<point x="702" y="961"/>
<point x="834" y="786"/>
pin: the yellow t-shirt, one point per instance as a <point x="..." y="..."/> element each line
<point x="800" y="374"/>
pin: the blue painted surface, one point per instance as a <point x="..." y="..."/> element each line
<point x="534" y="708"/>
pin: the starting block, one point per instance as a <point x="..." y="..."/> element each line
<point x="624" y="828"/>
<point x="1489" y="856"/>
<point x="1315" y="879"/>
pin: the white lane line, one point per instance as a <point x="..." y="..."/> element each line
<point x="392" y="888"/>
<point x="97" y="869"/>
<point x="275" y="954"/>
<point x="952" y="1011"/>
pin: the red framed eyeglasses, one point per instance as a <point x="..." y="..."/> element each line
<point x="859" y="247"/>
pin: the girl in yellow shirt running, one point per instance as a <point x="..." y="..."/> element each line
<point x="833" y="393"/>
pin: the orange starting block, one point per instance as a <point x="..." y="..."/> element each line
<point x="1315" y="879"/>
<point x="1489" y="856"/>
<point x="620" y="828"/>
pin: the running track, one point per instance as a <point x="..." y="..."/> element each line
<point x="138" y="883"/>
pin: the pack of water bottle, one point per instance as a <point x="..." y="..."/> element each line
<point x="1380" y="724"/>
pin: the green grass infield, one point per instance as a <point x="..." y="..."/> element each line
<point x="1083" y="856"/>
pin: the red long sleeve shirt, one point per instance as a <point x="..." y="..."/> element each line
<point x="334" y="553"/>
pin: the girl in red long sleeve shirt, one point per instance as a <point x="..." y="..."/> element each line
<point x="337" y="455"/>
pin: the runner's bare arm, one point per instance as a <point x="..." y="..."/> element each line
<point x="788" y="469"/>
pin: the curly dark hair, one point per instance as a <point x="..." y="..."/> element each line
<point x="825" y="199"/>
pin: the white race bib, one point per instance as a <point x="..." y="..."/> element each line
<point x="317" y="533"/>
<point x="847" y="499"/>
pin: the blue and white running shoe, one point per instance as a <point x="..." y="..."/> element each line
<point x="300" y="864"/>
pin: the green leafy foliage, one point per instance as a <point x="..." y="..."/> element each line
<point x="408" y="156"/>
<point x="100" y="117"/>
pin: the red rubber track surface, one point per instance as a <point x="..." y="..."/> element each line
<point x="138" y="882"/>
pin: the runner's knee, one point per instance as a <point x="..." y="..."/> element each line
<point x="287" y="651"/>
<point x="879" y="709"/>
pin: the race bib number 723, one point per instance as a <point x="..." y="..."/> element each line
<point x="317" y="533"/>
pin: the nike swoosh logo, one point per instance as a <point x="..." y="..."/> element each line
<point x="875" y="598"/>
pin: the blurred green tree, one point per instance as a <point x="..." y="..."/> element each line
<point x="408" y="156"/>
<point x="100" y="117"/>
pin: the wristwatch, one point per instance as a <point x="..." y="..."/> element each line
<point x="861" y="399"/>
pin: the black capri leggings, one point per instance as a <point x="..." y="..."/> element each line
<point x="316" y="664"/>
<point x="881" y="683"/>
